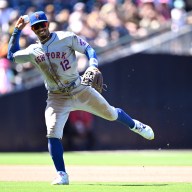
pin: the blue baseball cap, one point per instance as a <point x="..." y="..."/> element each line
<point x="37" y="17"/>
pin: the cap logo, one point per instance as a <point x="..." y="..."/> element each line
<point x="37" y="16"/>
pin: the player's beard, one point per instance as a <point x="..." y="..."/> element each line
<point x="42" y="38"/>
<point x="45" y="36"/>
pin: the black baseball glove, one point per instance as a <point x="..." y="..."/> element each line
<point x="94" y="78"/>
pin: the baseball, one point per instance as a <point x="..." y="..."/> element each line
<point x="26" y="18"/>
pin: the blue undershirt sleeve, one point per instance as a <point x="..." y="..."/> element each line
<point x="13" y="44"/>
<point x="91" y="55"/>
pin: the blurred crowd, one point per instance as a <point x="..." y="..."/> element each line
<point x="99" y="22"/>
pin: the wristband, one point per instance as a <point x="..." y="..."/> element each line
<point x="93" y="62"/>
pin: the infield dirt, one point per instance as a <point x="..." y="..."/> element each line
<point x="99" y="173"/>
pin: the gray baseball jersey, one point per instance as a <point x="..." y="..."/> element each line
<point x="55" y="59"/>
<point x="57" y="63"/>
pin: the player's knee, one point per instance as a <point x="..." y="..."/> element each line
<point x="111" y="115"/>
<point x="54" y="134"/>
<point x="111" y="118"/>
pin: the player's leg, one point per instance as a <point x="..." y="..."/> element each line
<point x="135" y="125"/>
<point x="56" y="151"/>
<point x="93" y="102"/>
<point x="56" y="115"/>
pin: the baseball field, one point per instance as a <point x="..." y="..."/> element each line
<point x="101" y="171"/>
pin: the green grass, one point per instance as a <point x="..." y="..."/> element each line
<point x="129" y="158"/>
<point x="124" y="158"/>
<point x="95" y="187"/>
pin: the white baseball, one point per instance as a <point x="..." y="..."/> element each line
<point x="26" y="18"/>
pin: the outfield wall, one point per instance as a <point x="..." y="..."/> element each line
<point x="155" y="89"/>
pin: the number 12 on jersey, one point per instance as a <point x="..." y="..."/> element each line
<point x="65" y="64"/>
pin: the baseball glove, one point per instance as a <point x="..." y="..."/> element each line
<point x="94" y="78"/>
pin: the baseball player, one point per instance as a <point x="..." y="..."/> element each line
<point x="54" y="56"/>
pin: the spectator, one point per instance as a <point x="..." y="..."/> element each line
<point x="79" y="131"/>
<point x="128" y="12"/>
<point x="62" y="19"/>
<point x="6" y="14"/>
<point x="164" y="8"/>
<point x="151" y="19"/>
<point x="178" y="15"/>
<point x="97" y="25"/>
<point x="6" y="76"/>
<point x="4" y="44"/>
<point x="76" y="18"/>
<point x="114" y="26"/>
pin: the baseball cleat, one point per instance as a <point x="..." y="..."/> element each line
<point x="143" y="130"/>
<point x="61" y="179"/>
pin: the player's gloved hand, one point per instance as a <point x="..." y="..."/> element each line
<point x="94" y="78"/>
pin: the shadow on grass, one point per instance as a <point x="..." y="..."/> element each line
<point x="127" y="185"/>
